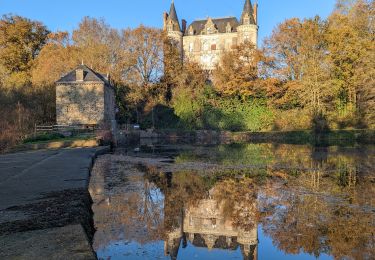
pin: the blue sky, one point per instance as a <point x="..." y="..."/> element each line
<point x="66" y="14"/>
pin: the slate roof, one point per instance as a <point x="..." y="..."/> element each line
<point x="89" y="75"/>
<point x="173" y="15"/>
<point x="220" y="243"/>
<point x="220" y="23"/>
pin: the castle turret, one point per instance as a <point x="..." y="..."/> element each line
<point x="172" y="26"/>
<point x="248" y="29"/>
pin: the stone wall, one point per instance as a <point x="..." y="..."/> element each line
<point x="207" y="49"/>
<point x="80" y="103"/>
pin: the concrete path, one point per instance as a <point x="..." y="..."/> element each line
<point x="43" y="195"/>
<point x="52" y="244"/>
<point x="25" y="177"/>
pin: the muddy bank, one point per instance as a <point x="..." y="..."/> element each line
<point x="56" y="209"/>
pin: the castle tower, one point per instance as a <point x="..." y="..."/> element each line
<point x="173" y="28"/>
<point x="248" y="28"/>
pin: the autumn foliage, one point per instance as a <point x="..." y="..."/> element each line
<point x="321" y="71"/>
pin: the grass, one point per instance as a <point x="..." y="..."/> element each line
<point x="54" y="137"/>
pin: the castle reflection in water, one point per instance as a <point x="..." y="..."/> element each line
<point x="205" y="225"/>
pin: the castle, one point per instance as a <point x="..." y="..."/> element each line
<point x="203" y="41"/>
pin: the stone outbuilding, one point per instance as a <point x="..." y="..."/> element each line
<point x="84" y="97"/>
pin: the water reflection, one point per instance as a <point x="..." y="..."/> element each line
<point x="213" y="223"/>
<point x="310" y="202"/>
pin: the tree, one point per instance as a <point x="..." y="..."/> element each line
<point x="350" y="38"/>
<point x="299" y="50"/>
<point x="20" y="42"/>
<point x="315" y="92"/>
<point x="284" y="46"/>
<point x="144" y="52"/>
<point x="173" y="65"/>
<point x="101" y="47"/>
<point x="237" y="72"/>
<point x="145" y="48"/>
<point x="56" y="58"/>
<point x="188" y="96"/>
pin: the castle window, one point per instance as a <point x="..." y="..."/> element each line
<point x="246" y="19"/>
<point x="206" y="46"/>
<point x="170" y="27"/>
<point x="213" y="47"/>
<point x="191" y="47"/>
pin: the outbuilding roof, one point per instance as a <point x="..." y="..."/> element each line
<point x="89" y="75"/>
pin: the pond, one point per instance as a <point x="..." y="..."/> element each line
<point x="236" y="201"/>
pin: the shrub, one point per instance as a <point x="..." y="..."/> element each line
<point x="238" y="115"/>
<point x="189" y="107"/>
<point x="294" y="119"/>
<point x="9" y="136"/>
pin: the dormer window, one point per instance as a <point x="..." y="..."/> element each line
<point x="228" y="28"/>
<point x="210" y="27"/>
<point x="191" y="31"/>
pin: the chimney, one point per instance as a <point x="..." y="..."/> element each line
<point x="165" y="18"/>
<point x="183" y="25"/>
<point x="255" y="13"/>
<point x="79" y="75"/>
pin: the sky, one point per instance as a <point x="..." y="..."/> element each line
<point x="65" y="15"/>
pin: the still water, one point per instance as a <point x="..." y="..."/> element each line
<point x="241" y="201"/>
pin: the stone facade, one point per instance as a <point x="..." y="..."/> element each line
<point x="84" y="97"/>
<point x="203" y="41"/>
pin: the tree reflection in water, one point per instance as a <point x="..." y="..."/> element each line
<point x="312" y="200"/>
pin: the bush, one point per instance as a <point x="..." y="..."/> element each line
<point x="9" y="136"/>
<point x="236" y="115"/>
<point x="205" y="109"/>
<point x="189" y="108"/>
<point x="291" y="120"/>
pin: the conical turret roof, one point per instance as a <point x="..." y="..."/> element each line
<point x="173" y="15"/>
<point x="248" y="9"/>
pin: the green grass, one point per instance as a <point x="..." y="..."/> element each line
<point x="54" y="137"/>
